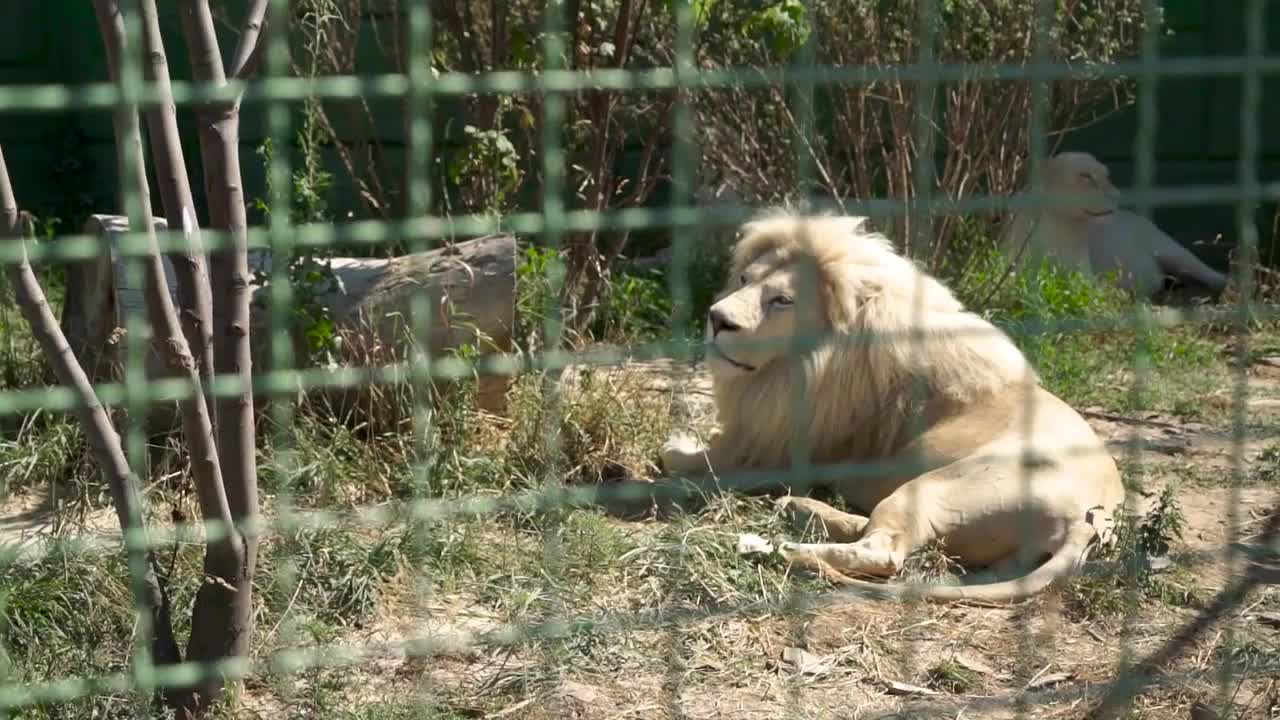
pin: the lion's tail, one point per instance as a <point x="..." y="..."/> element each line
<point x="1173" y="257"/>
<point x="1063" y="563"/>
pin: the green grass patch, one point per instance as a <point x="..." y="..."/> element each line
<point x="1126" y="367"/>
<point x="46" y="451"/>
<point x="21" y="363"/>
<point x="70" y="616"/>
<point x="952" y="677"/>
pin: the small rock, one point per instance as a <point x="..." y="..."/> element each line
<point x="804" y="662"/>
<point x="973" y="664"/>
<point x="1048" y="679"/>
<point x="893" y="687"/>
<point x="582" y="694"/>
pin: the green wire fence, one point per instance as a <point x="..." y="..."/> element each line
<point x="420" y="88"/>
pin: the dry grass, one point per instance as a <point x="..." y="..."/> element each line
<point x="626" y="618"/>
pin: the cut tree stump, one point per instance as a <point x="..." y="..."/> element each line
<point x="371" y="311"/>
<point x="97" y="300"/>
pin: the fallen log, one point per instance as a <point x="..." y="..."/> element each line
<point x="469" y="286"/>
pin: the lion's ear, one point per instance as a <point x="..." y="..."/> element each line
<point x="850" y="224"/>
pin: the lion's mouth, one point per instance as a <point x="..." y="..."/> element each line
<point x="724" y="356"/>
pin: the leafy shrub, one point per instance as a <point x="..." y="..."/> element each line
<point x="534" y="285"/>
<point x="636" y="307"/>
<point x="487" y="168"/>
<point x="1045" y="292"/>
<point x="1139" y="542"/>
<point x="308" y="270"/>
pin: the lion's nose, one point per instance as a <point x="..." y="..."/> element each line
<point x="720" y="322"/>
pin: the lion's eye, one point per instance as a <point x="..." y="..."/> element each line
<point x="742" y="279"/>
<point x="781" y="301"/>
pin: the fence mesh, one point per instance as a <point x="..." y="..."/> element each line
<point x="551" y="614"/>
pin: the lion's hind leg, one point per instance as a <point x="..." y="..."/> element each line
<point x="803" y="512"/>
<point x="878" y="555"/>
<point x="897" y="527"/>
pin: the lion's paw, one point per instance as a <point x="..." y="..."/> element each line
<point x="682" y="453"/>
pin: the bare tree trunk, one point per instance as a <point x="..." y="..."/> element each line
<point x="196" y="425"/>
<point x="498" y="42"/>
<point x="149" y="591"/>
<point x="175" y="195"/>
<point x="222" y="623"/>
<point x="222" y="609"/>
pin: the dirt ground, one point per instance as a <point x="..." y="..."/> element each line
<point x="866" y="659"/>
<point x="871" y="660"/>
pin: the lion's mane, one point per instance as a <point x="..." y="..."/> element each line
<point x="891" y="330"/>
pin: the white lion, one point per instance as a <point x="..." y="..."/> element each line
<point x="1097" y="237"/>
<point x="960" y="398"/>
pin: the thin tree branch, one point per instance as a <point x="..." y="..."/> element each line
<point x="229" y="270"/>
<point x="223" y="608"/>
<point x="249" y="51"/>
<point x="195" y="416"/>
<point x="102" y="436"/>
<point x="573" y="18"/>
<point x="190" y="269"/>
<point x="498" y="36"/>
<point x="222" y="620"/>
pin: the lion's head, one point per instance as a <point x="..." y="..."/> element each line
<point x="1083" y="175"/>
<point x="826" y="279"/>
